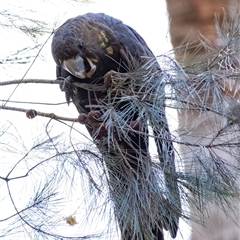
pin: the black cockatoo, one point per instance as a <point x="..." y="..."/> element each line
<point x="113" y="79"/>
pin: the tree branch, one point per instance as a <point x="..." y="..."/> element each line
<point x="30" y="81"/>
<point x="42" y="114"/>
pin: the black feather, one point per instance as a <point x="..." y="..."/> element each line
<point x="114" y="46"/>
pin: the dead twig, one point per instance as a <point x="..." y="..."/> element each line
<point x="32" y="113"/>
<point x="19" y="81"/>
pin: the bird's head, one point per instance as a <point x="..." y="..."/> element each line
<point x="85" y="47"/>
<point x="69" y="53"/>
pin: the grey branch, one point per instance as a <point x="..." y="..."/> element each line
<point x="42" y="114"/>
<point x="19" y="81"/>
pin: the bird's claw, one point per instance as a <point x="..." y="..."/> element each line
<point x="108" y="78"/>
<point x="136" y="125"/>
<point x="99" y="129"/>
<point x="66" y="84"/>
<point x="93" y="120"/>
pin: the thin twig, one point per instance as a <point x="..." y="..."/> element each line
<point x="19" y="81"/>
<point x="42" y="114"/>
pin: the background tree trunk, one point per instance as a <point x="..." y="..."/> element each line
<point x="187" y="19"/>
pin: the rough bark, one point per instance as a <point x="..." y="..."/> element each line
<point x="188" y="19"/>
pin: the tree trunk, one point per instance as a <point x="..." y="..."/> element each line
<point x="188" y="19"/>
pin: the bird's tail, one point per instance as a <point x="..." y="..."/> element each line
<point x="134" y="204"/>
<point x="135" y="189"/>
<point x="166" y="157"/>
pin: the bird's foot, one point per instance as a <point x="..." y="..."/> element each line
<point x="99" y="128"/>
<point x="67" y="86"/>
<point x="93" y="119"/>
<point x="108" y="78"/>
<point x="135" y="125"/>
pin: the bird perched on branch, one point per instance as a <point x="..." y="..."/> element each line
<point x="117" y="86"/>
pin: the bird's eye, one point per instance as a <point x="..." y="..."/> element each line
<point x="80" y="46"/>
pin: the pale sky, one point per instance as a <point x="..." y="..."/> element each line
<point x="148" y="18"/>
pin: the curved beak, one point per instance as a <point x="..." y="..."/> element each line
<point x="77" y="68"/>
